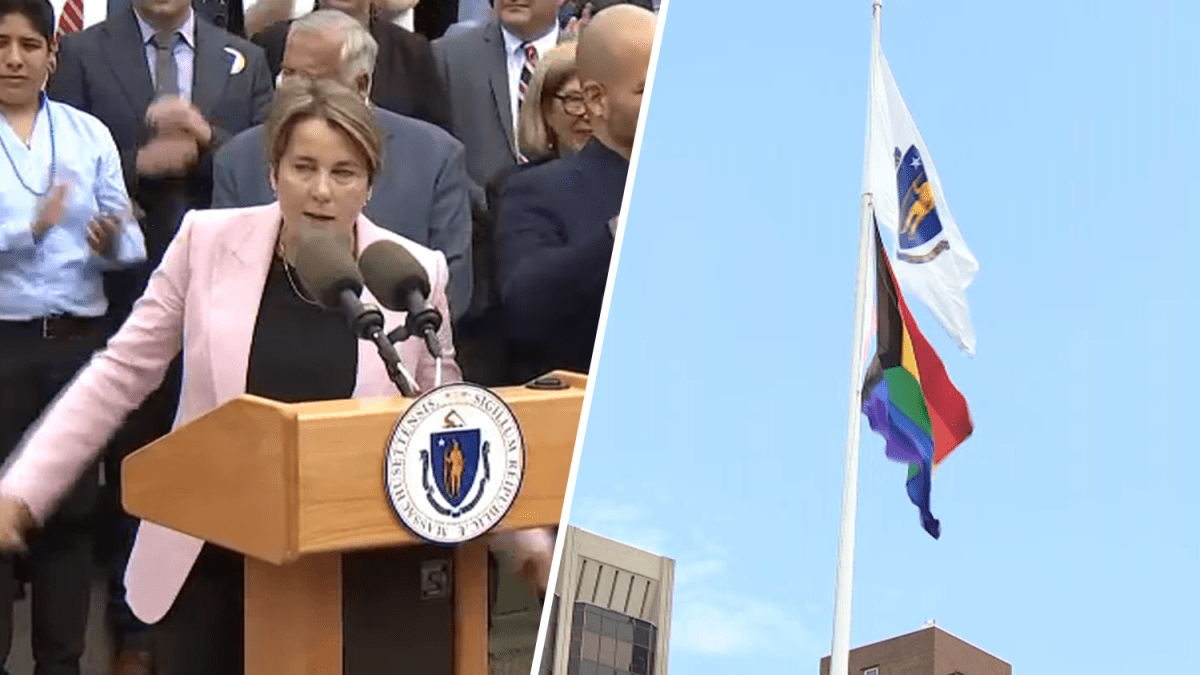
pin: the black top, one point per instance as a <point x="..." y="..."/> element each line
<point x="300" y="352"/>
<point x="431" y="18"/>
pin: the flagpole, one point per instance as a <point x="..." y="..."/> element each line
<point x="840" y="652"/>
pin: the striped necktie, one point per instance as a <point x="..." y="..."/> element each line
<point x="70" y="20"/>
<point x="531" y="59"/>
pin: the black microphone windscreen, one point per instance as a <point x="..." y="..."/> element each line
<point x="392" y="273"/>
<point x="326" y="268"/>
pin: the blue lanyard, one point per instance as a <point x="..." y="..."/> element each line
<point x="53" y="156"/>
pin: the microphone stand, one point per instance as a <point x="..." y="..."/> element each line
<point x="425" y="322"/>
<point x="367" y="324"/>
<point x="391" y="361"/>
<point x="435" y="348"/>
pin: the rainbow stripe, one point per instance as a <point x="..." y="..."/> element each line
<point x="907" y="396"/>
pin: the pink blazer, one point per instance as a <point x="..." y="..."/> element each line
<point x="204" y="299"/>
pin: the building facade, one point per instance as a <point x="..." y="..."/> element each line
<point x="611" y="612"/>
<point x="929" y="651"/>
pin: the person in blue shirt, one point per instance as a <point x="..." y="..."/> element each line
<point x="65" y="218"/>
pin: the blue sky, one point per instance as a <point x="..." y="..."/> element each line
<point x="1066" y="137"/>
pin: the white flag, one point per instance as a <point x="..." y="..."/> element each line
<point x="932" y="261"/>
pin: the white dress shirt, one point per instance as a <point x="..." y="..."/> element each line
<point x="405" y="20"/>
<point x="299" y="7"/>
<point x="516" y="63"/>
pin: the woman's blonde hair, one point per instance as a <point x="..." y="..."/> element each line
<point x="299" y="99"/>
<point x="554" y="69"/>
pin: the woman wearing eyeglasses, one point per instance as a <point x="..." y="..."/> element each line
<point x="553" y="119"/>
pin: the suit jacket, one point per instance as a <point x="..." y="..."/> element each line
<point x="482" y="339"/>
<point x="474" y="66"/>
<point x="485" y="293"/>
<point x="103" y="71"/>
<point x="406" y="79"/>
<point x="421" y="192"/>
<point x="553" y="247"/>
<point x="204" y="299"/>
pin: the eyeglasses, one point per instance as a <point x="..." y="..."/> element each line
<point x="572" y="105"/>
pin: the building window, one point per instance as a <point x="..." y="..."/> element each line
<point x="605" y="642"/>
<point x="871" y="671"/>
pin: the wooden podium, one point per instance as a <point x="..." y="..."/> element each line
<point x="293" y="487"/>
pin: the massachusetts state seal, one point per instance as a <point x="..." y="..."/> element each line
<point x="455" y="463"/>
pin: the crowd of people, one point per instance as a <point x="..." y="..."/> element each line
<point x="161" y="169"/>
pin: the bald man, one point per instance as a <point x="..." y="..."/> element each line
<point x="556" y="222"/>
<point x="613" y="57"/>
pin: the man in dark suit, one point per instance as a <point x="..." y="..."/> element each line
<point x="484" y="68"/>
<point x="406" y="79"/>
<point x="171" y="88"/>
<point x="422" y="190"/>
<point x="557" y="221"/>
<point x="167" y="131"/>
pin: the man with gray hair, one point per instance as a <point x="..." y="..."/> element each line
<point x="406" y="79"/>
<point x="422" y="189"/>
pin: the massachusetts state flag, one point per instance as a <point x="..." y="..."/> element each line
<point x="932" y="259"/>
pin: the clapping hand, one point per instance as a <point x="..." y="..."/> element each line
<point x="102" y="234"/>
<point x="167" y="155"/>
<point x="15" y="523"/>
<point x="50" y="210"/>
<point x="177" y="114"/>
<point x="577" y="24"/>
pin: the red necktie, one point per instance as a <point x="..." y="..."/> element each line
<point x="71" y="18"/>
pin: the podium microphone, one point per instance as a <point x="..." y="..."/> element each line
<point x="328" y="273"/>
<point x="400" y="284"/>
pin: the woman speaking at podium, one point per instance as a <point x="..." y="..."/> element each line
<point x="227" y="295"/>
